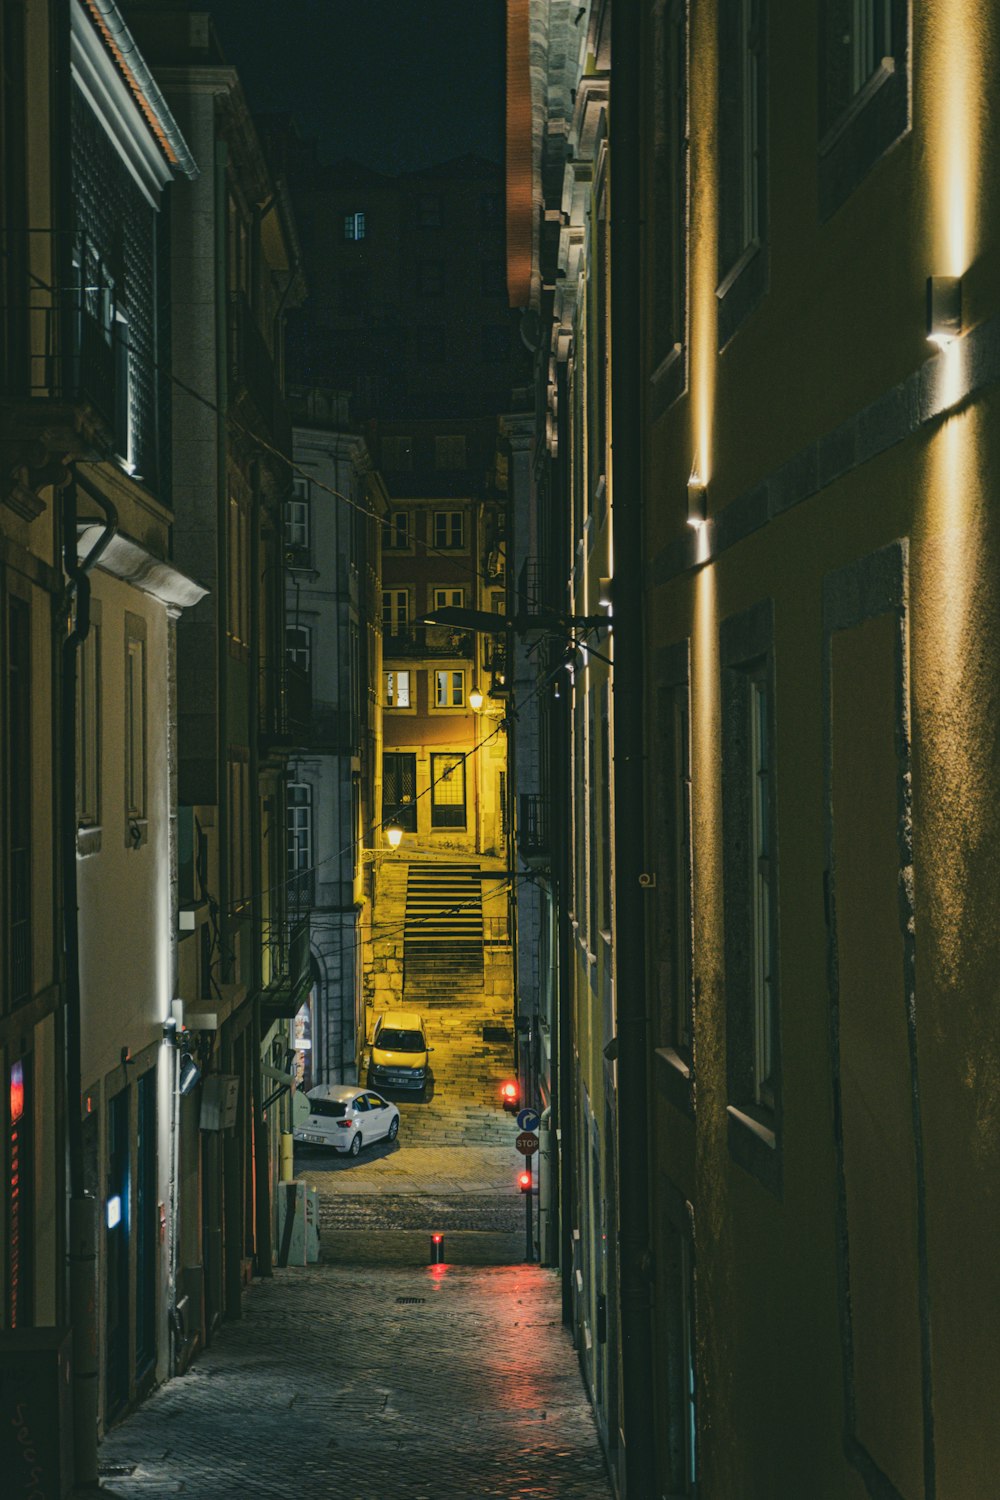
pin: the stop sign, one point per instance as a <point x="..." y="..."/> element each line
<point x="527" y="1143"/>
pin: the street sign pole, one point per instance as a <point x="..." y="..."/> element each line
<point x="529" y="1244"/>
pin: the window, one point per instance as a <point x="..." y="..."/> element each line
<point x="395" y="611"/>
<point x="430" y="278"/>
<point x="298" y="520"/>
<point x="88" y="739"/>
<point x="864" y="91"/>
<point x="449" y="530"/>
<point x="449" y="598"/>
<point x="298" y="647"/>
<point x="399" y="789"/>
<point x="396" y="531"/>
<point x="429" y="211"/>
<point x="354" y="226"/>
<point x="750" y="890"/>
<point x="397" y="453"/>
<point x="449" y="689"/>
<point x="238" y="600"/>
<point x="742" y="177"/>
<point x="135" y="725"/>
<point x="397" y="689"/>
<point x="670" y="189"/>
<point x="447" y="791"/>
<point x="449" y="451"/>
<point x="300" y="843"/>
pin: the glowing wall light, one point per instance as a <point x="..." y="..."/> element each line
<point x="697" y="501"/>
<point x="393" y="835"/>
<point x="944" y="309"/>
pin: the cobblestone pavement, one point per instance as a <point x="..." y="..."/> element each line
<point x="370" y="1378"/>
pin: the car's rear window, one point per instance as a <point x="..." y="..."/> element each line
<point x="400" y="1041"/>
<point x="331" y="1107"/>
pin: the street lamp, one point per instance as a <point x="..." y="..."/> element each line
<point x="475" y="700"/>
<point x="393" y="835"/>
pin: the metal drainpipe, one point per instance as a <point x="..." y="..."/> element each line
<point x="629" y="842"/>
<point x="82" y="1206"/>
<point x="262" y="1159"/>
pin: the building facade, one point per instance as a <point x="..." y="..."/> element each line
<point x="799" y="376"/>
<point x="334" y="652"/>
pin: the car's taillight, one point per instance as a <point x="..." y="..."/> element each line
<point x="345" y="1124"/>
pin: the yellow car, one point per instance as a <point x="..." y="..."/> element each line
<point x="398" y="1051"/>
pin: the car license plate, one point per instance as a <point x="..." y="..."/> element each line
<point x="315" y="1140"/>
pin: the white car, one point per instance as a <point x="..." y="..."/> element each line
<point x="346" y="1117"/>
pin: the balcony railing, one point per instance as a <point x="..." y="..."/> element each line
<point x="533" y="831"/>
<point x="56" y="351"/>
<point x="291" y="971"/>
<point x="428" y="640"/>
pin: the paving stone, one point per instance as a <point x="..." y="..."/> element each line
<point x="376" y="1375"/>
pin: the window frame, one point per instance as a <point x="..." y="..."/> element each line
<point x="389" y="693"/>
<point x="445" y="529"/>
<point x="88" y="739"/>
<point x="751" y="843"/>
<point x="293" y="653"/>
<point x="440" y="818"/>
<point x="453" y="706"/>
<point x="671" y="202"/>
<point x="859" y="122"/>
<point x="300" y="834"/>
<point x="396" y="622"/>
<point x="397" y="531"/>
<point x="743" y="162"/>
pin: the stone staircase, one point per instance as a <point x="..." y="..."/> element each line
<point x="437" y="967"/>
<point x="444" y="927"/>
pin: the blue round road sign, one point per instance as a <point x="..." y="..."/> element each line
<point x="528" y="1119"/>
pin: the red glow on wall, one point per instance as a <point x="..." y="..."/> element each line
<point x="16" y="1092"/>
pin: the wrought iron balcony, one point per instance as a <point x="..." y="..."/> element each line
<point x="428" y="641"/>
<point x="291" y="971"/>
<point x="533" y="830"/>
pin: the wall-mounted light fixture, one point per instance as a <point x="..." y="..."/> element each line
<point x="697" y="500"/>
<point x="393" y="835"/>
<point x="944" y="309"/>
<point x="475" y="700"/>
<point x="189" y="1075"/>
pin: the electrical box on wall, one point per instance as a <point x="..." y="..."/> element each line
<point x="219" y="1095"/>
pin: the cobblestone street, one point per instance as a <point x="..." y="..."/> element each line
<point x="374" y="1374"/>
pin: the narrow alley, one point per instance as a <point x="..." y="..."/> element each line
<point x="375" y="1373"/>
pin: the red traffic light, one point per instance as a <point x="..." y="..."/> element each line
<point x="524" y="1181"/>
<point x="510" y="1093"/>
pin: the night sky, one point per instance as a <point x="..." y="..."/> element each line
<point x="395" y="84"/>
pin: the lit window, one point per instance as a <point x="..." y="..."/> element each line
<point x="397" y="690"/>
<point x="354" y="226"/>
<point x="449" y="689"/>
